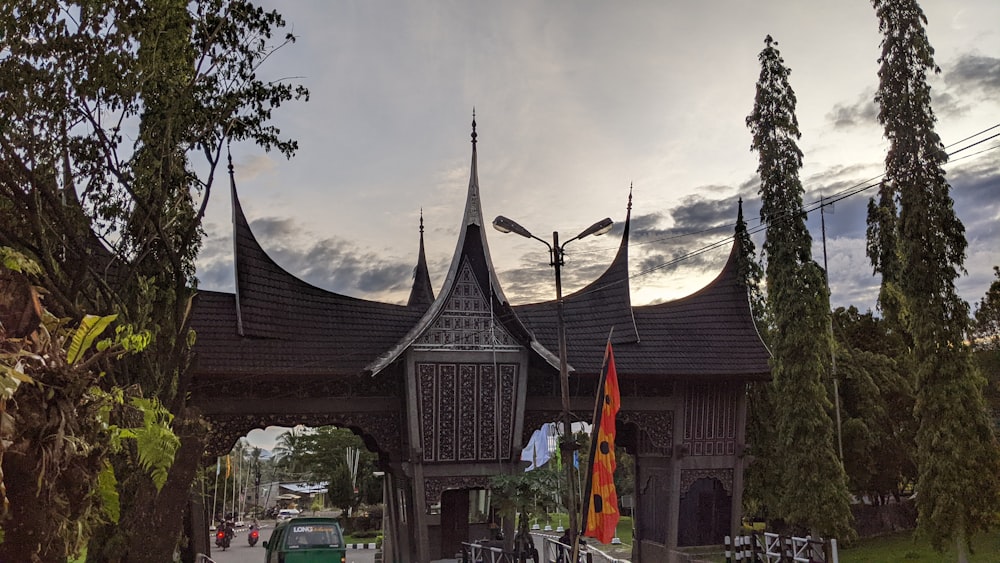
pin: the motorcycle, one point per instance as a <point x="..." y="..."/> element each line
<point x="252" y="537"/>
<point x="223" y="537"/>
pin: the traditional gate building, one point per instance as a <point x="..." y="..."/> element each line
<point x="448" y="389"/>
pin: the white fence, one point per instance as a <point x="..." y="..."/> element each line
<point x="768" y="547"/>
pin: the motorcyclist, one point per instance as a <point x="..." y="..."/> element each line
<point x="253" y="534"/>
<point x="224" y="534"/>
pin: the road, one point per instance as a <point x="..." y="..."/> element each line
<point x="241" y="552"/>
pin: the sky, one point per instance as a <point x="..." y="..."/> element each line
<point x="576" y="102"/>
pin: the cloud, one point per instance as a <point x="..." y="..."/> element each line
<point x="861" y="112"/>
<point x="974" y="73"/>
<point x="333" y="264"/>
<point x="968" y="74"/>
<point x="251" y="167"/>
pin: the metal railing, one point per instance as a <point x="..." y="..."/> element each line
<point x="478" y="553"/>
<point x="774" y="548"/>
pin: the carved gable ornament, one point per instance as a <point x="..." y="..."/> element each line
<point x="466" y="321"/>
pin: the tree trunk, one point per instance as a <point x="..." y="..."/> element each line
<point x="26" y="525"/>
<point x="963" y="554"/>
<point x="165" y="521"/>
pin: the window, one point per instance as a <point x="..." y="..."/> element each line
<point x="312" y="535"/>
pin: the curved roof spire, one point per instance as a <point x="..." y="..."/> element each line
<point x="472" y="253"/>
<point x="239" y="220"/>
<point x="422" y="293"/>
<point x="474" y="134"/>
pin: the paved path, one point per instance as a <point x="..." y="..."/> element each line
<point x="241" y="552"/>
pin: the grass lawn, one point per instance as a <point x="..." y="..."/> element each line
<point x="354" y="539"/>
<point x="901" y="548"/>
<point x="624" y="527"/>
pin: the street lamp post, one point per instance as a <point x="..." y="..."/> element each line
<point x="568" y="444"/>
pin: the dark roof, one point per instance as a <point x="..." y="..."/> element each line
<point x="422" y="293"/>
<point x="277" y="323"/>
<point x="591" y="312"/>
<point x="472" y="251"/>
<point x="710" y="333"/>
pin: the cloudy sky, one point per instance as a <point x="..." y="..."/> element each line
<point x="576" y="101"/>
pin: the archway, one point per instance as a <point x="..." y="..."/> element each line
<point x="705" y="512"/>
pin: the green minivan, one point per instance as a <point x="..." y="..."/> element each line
<point x="306" y="540"/>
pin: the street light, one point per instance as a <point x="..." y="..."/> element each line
<point x="568" y="445"/>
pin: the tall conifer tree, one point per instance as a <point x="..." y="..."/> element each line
<point x="814" y="494"/>
<point x="959" y="462"/>
<point x="763" y="475"/>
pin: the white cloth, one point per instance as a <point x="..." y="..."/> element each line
<point x="537" y="452"/>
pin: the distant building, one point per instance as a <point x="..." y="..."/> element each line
<point x="292" y="495"/>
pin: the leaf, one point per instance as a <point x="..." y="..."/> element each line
<point x="107" y="492"/>
<point x="156" y="443"/>
<point x="83" y="338"/>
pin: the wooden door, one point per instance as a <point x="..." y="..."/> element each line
<point x="454" y="521"/>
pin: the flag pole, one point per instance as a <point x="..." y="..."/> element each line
<point x="215" y="495"/>
<point x="594" y="428"/>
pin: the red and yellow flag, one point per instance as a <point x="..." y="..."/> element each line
<point x="602" y="513"/>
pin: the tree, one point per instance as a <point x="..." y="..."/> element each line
<point x="813" y="494"/>
<point x="751" y="274"/>
<point x="48" y="367"/>
<point x="958" y="485"/>
<point x="986" y="328"/>
<point x="525" y="496"/>
<point x="288" y="451"/>
<point x="986" y="340"/>
<point x="104" y="107"/>
<point x="763" y="476"/>
<point x="339" y="492"/>
<point x="877" y="398"/>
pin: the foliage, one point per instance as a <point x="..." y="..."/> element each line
<point x="56" y="432"/>
<point x="986" y="341"/>
<point x="750" y="274"/>
<point x="319" y="455"/>
<point x="323" y="455"/>
<point x="339" y="492"/>
<point x="877" y="406"/>
<point x="958" y="484"/>
<point x="288" y="452"/>
<point x="813" y="487"/>
<point x="762" y="476"/>
<point x="528" y="494"/>
<point x="986" y="327"/>
<point x="105" y="106"/>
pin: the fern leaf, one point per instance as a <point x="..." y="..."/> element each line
<point x="107" y="491"/>
<point x="83" y="338"/>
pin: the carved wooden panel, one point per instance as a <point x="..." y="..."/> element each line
<point x="434" y="486"/>
<point x="657" y="426"/>
<point x="305" y="387"/>
<point x="466" y="321"/>
<point x="689" y="476"/>
<point x="710" y="420"/>
<point x="487" y="397"/>
<point x="466" y="410"/>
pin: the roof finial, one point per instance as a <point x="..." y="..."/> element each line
<point x="230" y="154"/>
<point x="421" y="220"/>
<point x="630" y="196"/>
<point x="474" y="125"/>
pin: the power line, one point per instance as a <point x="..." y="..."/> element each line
<point x="845" y="193"/>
